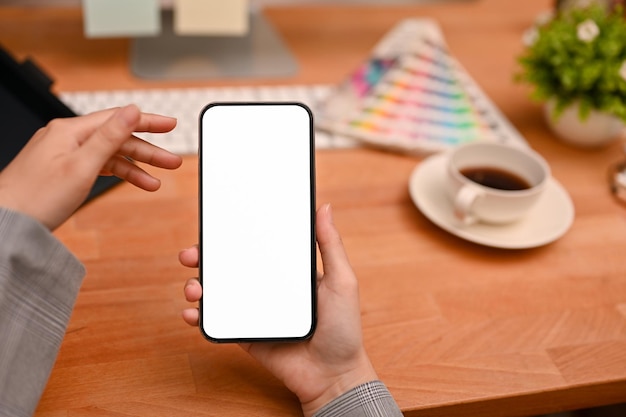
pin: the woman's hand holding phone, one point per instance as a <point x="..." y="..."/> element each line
<point x="334" y="360"/>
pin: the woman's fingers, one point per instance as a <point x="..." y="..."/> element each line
<point x="191" y="316"/>
<point x="189" y="257"/>
<point x="142" y="151"/>
<point x="193" y="290"/>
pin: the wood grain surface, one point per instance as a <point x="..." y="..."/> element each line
<point x="453" y="328"/>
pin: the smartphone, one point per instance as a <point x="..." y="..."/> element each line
<point x="257" y="222"/>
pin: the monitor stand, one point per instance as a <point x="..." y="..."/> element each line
<point x="259" y="53"/>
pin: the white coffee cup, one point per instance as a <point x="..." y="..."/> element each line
<point x="493" y="182"/>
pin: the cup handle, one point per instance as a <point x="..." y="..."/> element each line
<point x="463" y="202"/>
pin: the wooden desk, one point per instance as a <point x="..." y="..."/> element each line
<point x="453" y="328"/>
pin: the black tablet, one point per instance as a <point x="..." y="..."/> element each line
<point x="27" y="104"/>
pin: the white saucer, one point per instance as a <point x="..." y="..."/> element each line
<point x="547" y="221"/>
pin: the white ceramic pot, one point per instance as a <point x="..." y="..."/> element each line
<point x="597" y="130"/>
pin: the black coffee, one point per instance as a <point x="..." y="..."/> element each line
<point x="496" y="178"/>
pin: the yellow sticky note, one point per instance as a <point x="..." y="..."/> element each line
<point x="211" y="17"/>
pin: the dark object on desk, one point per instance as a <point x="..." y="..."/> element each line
<point x="27" y="104"/>
<point x="616" y="410"/>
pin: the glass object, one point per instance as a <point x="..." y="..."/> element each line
<point x="617" y="180"/>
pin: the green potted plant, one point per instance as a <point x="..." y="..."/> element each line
<point x="576" y="61"/>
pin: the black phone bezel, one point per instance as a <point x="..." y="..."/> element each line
<point x="312" y="210"/>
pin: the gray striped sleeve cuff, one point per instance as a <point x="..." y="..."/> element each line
<point x="371" y="399"/>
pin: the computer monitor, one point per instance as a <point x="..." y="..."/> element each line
<point x="162" y="53"/>
<point x="166" y="51"/>
<point x="167" y="54"/>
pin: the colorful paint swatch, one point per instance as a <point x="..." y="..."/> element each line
<point x="419" y="100"/>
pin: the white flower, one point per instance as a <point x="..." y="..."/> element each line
<point x="530" y="36"/>
<point x="587" y="31"/>
<point x="622" y="71"/>
<point x="544" y="18"/>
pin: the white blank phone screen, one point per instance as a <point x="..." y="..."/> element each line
<point x="257" y="240"/>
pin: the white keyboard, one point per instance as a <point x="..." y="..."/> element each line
<point x="186" y="104"/>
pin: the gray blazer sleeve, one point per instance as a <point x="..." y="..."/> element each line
<point x="39" y="282"/>
<point x="371" y="399"/>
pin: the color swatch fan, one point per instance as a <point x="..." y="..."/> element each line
<point x="413" y="96"/>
